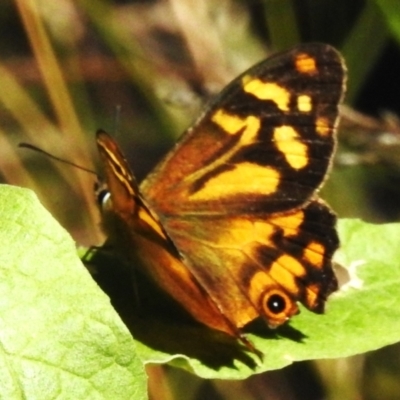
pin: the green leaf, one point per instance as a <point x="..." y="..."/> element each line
<point x="60" y="337"/>
<point x="362" y="316"/>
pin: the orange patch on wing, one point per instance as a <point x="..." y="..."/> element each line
<point x="289" y="223"/>
<point x="267" y="91"/>
<point x="305" y="64"/>
<point x="312" y="295"/>
<point x="304" y="103"/>
<point x="283" y="275"/>
<point x="314" y="254"/>
<point x="287" y="140"/>
<point x="290" y="264"/>
<point x="322" y="126"/>
<point x="233" y="124"/>
<point x="244" y="178"/>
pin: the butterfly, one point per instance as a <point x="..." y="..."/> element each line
<point x="229" y="223"/>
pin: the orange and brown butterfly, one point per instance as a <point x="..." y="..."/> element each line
<point x="229" y="223"/>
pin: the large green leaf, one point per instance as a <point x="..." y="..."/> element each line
<point x="60" y="338"/>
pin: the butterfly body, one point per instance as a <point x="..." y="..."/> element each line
<point x="229" y="223"/>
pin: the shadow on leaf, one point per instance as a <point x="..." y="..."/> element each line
<point x="161" y="324"/>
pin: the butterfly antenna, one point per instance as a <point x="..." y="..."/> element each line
<point x="39" y="150"/>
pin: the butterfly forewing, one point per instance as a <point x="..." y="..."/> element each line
<point x="264" y="145"/>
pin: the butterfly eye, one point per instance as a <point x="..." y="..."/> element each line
<point x="103" y="197"/>
<point x="278" y="307"/>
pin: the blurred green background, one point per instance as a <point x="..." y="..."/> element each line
<point x="142" y="70"/>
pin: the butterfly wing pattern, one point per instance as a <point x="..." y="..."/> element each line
<point x="229" y="223"/>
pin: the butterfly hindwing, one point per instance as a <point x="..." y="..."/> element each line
<point x="249" y="264"/>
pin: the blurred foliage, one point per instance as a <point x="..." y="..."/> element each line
<point x="142" y="69"/>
